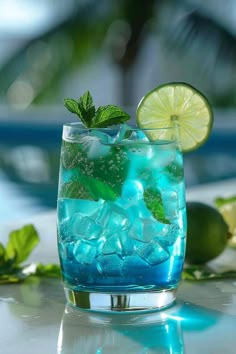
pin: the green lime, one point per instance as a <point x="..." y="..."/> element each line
<point x="177" y="104"/>
<point x="227" y="208"/>
<point x="207" y="233"/>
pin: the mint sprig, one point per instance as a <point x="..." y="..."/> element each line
<point x="20" y="244"/>
<point x="91" y="117"/>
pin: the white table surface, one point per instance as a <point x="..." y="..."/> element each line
<point x="34" y="317"/>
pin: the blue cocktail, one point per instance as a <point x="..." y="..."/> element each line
<point x="121" y="217"/>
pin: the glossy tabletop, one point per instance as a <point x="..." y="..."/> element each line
<point x="34" y="317"/>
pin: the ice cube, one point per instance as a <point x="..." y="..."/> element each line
<point x="124" y="132"/>
<point x="168" y="235"/>
<point x="95" y="143"/>
<point x="69" y="207"/>
<point x="103" y="215"/>
<point x="136" y="135"/>
<point x="145" y="229"/>
<point x="62" y="250"/>
<point x="84" y="252"/>
<point x="120" y="244"/>
<point x="136" y="231"/>
<point x="170" y="202"/>
<point x="153" y="253"/>
<point x="162" y="155"/>
<point x="127" y="244"/>
<point x="112" y="217"/>
<point x="64" y="231"/>
<point x="110" y="265"/>
<point x="138" y="210"/>
<point x="132" y="191"/>
<point x="112" y="245"/>
<point x="141" y="152"/>
<point x="65" y="250"/>
<point x="85" y="227"/>
<point x="151" y="227"/>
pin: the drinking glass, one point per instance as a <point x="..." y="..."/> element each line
<point x="121" y="217"/>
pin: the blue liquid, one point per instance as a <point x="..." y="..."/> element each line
<point x="130" y="235"/>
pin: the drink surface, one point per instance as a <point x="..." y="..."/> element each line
<point x="121" y="213"/>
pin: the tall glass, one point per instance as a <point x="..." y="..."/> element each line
<point x="121" y="217"/>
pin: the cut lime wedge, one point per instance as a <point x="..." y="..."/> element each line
<point x="176" y="105"/>
<point x="227" y="208"/>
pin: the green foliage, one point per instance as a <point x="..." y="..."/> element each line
<point x="198" y="272"/>
<point x="20" y="244"/>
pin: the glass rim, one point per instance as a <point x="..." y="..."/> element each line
<point x="80" y="126"/>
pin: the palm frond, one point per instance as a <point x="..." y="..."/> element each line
<point x="42" y="62"/>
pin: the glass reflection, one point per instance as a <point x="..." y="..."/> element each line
<point x="163" y="332"/>
<point x="96" y="333"/>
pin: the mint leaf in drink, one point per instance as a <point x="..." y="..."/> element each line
<point x="154" y="203"/>
<point x="75" y="190"/>
<point x="109" y="115"/>
<point x="91" y="117"/>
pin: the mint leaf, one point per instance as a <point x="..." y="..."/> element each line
<point x="10" y="278"/>
<point x="21" y="243"/>
<point x="73" y="107"/>
<point x="87" y="108"/>
<point x="2" y="255"/>
<point x="74" y="190"/>
<point x="48" y="270"/>
<point x="78" y="167"/>
<point x="99" y="189"/>
<point x="91" y="189"/>
<point x="103" y="117"/>
<point x="83" y="108"/>
<point x="109" y="115"/>
<point x="154" y="203"/>
<point x="204" y="273"/>
<point x="8" y="266"/>
<point x="86" y="101"/>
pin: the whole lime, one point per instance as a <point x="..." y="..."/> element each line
<point x="207" y="233"/>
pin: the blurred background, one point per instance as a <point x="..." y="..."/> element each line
<point x="118" y="50"/>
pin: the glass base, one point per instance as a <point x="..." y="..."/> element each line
<point x="145" y="301"/>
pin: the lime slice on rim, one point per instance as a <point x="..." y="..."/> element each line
<point x="176" y="105"/>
